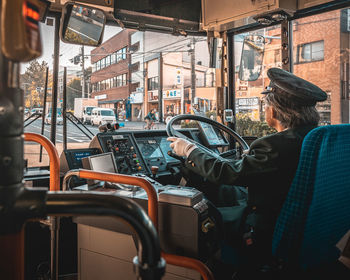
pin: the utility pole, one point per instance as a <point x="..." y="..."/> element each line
<point x="193" y="71"/>
<point x="160" y="89"/>
<point x="83" y="69"/>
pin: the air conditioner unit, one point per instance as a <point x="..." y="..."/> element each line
<point x="221" y="15"/>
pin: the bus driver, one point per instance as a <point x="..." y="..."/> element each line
<point x="269" y="167"/>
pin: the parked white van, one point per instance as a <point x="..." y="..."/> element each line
<point x="101" y="116"/>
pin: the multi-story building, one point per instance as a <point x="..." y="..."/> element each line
<point x="129" y="68"/>
<point x="161" y="62"/>
<point x="110" y="78"/>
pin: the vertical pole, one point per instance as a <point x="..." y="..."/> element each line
<point x="12" y="256"/>
<point x="56" y="54"/>
<point x="193" y="72"/>
<point x="55" y="221"/>
<point x="83" y="69"/>
<point x="54" y="233"/>
<point x="44" y="112"/>
<point x="64" y="108"/>
<point x="231" y="96"/>
<point x="160" y="91"/>
<point x="285" y="45"/>
<point x="182" y="109"/>
<point x="11" y="167"/>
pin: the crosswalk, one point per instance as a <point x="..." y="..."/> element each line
<point x="72" y="136"/>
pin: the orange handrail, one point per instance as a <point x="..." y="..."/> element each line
<point x="153" y="214"/>
<point x="189" y="263"/>
<point x="130" y="180"/>
<point x="53" y="156"/>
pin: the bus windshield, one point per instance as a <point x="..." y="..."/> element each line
<point x="134" y="72"/>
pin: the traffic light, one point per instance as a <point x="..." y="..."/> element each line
<point x="76" y="59"/>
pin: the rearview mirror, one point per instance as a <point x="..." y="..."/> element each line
<point x="82" y="25"/>
<point x="252" y="57"/>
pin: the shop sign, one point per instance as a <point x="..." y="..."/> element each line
<point x="247" y="103"/>
<point x="173" y="93"/>
<point x="102" y="96"/>
<point x="136" y="97"/>
<point x="153" y="95"/>
<point x="178" y="76"/>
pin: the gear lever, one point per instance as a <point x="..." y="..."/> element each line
<point x="154" y="170"/>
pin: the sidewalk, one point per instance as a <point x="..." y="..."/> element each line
<point x="139" y="125"/>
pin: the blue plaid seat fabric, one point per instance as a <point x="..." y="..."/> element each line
<point x="316" y="213"/>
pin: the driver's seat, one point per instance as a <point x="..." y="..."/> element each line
<point x="316" y="213"/>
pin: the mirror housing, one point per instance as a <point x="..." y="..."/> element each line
<point x="251" y="57"/>
<point x="82" y="24"/>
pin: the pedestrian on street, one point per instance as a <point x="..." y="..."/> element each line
<point x="150" y="119"/>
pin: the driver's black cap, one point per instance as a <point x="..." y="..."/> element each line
<point x="293" y="88"/>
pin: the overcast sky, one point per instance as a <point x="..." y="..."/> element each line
<point x="67" y="51"/>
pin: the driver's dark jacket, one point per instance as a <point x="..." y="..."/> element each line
<point x="267" y="170"/>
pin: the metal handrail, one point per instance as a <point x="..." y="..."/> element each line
<point x="53" y="157"/>
<point x="152" y="212"/>
<point x="122" y="179"/>
<point x="54" y="186"/>
<point x="189" y="263"/>
<point x="148" y="264"/>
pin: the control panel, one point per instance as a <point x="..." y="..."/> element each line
<point x="125" y="151"/>
<point x="139" y="152"/>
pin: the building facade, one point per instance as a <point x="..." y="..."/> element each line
<point x="320" y="55"/>
<point x="110" y="78"/>
<point x="162" y="73"/>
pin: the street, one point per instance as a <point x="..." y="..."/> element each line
<point x="86" y="29"/>
<point x="74" y="135"/>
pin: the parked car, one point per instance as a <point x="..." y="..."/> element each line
<point x="101" y="116"/>
<point x="59" y="119"/>
<point x="36" y="110"/>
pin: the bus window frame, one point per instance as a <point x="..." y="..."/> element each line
<point x="231" y="91"/>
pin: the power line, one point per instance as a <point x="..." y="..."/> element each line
<point x="74" y="89"/>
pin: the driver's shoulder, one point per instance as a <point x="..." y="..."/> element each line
<point x="274" y="140"/>
<point x="289" y="138"/>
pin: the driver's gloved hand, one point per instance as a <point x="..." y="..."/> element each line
<point x="181" y="147"/>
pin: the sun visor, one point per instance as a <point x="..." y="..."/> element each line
<point x="176" y="17"/>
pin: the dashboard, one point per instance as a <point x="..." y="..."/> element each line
<point x="139" y="151"/>
<point x="187" y="222"/>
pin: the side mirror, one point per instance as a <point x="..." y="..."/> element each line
<point x="252" y="57"/>
<point x="82" y="25"/>
<point x="215" y="52"/>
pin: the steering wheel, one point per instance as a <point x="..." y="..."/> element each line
<point x="174" y="133"/>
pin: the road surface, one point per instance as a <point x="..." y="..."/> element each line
<point x="74" y="135"/>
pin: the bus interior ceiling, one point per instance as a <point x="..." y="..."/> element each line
<point x="152" y="222"/>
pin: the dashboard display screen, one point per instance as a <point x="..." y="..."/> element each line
<point x="156" y="148"/>
<point x="79" y="155"/>
<point x="212" y="137"/>
<point x="150" y="149"/>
